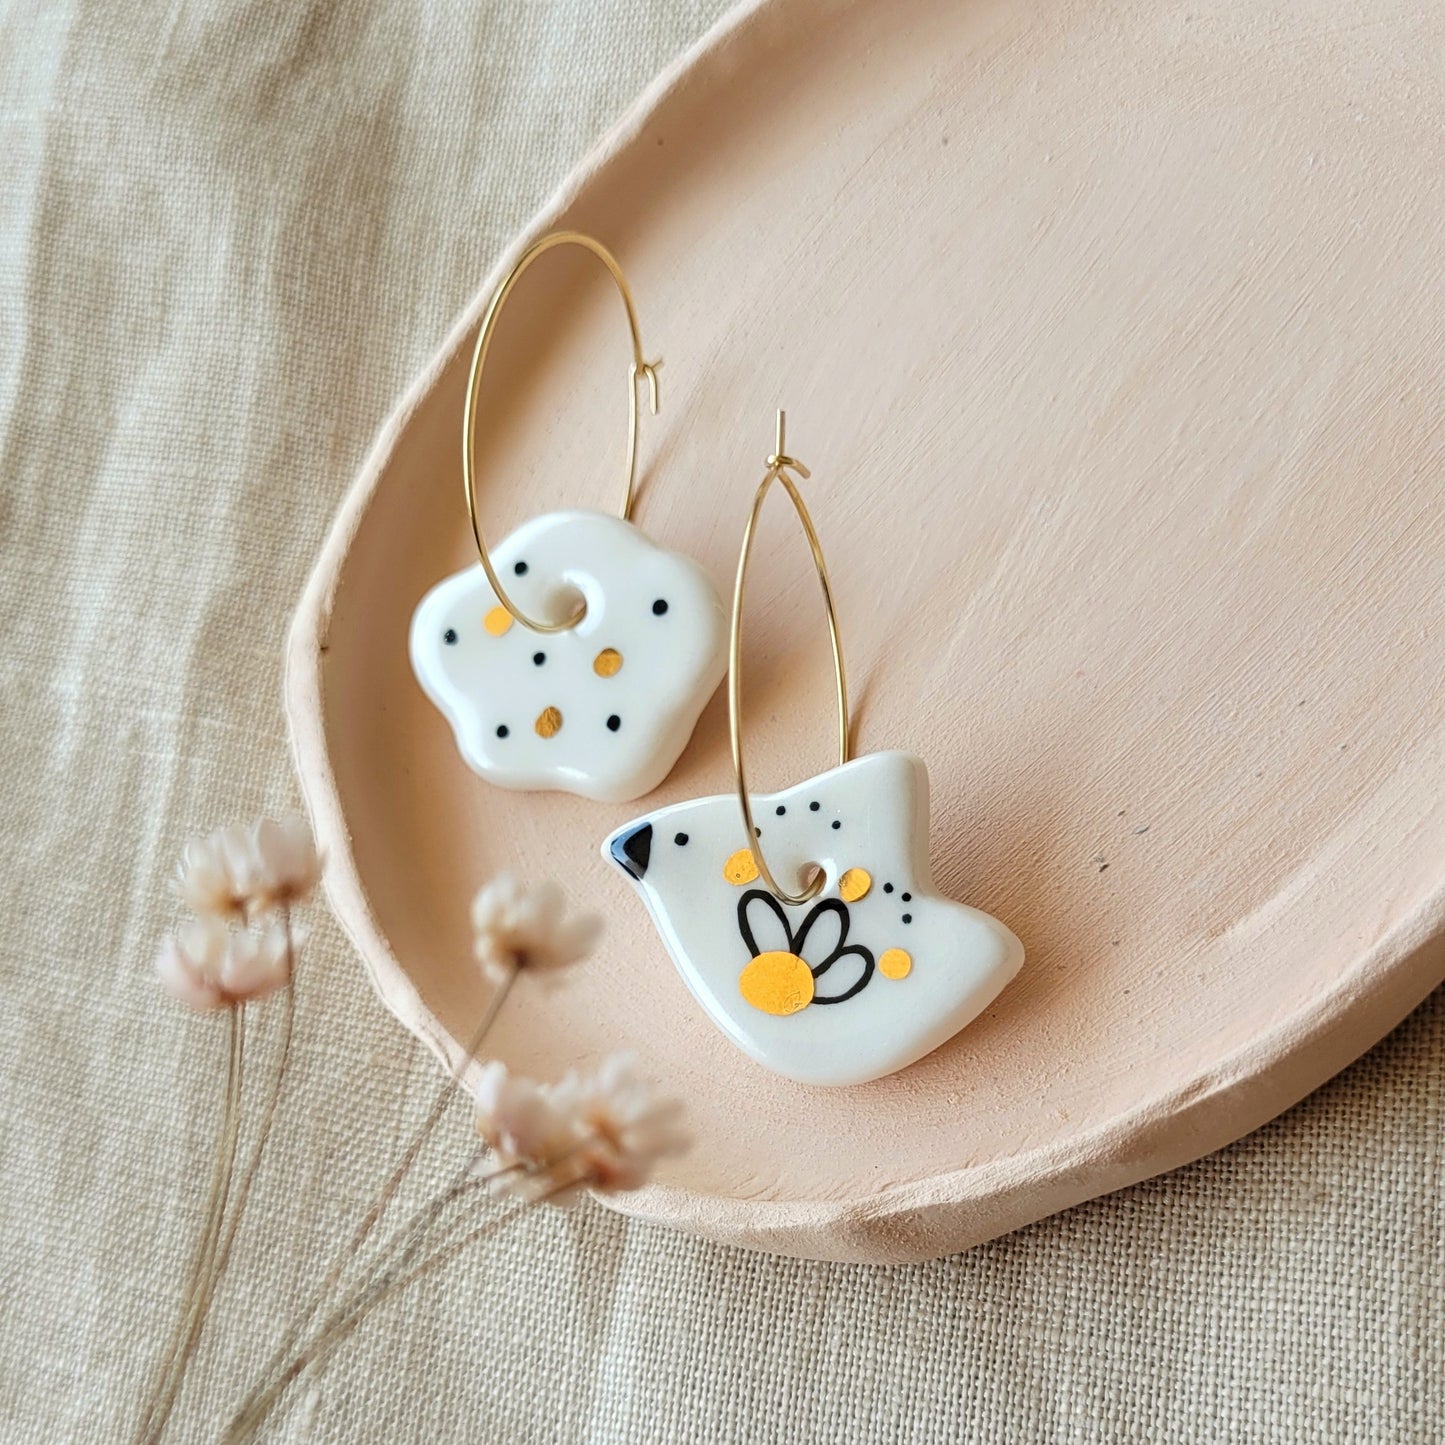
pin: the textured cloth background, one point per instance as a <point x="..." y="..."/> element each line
<point x="229" y="233"/>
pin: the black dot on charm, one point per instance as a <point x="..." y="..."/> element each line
<point x="613" y="723"/>
<point x="503" y="730"/>
<point x="888" y="888"/>
<point x="906" y="897"/>
<point x="538" y="658"/>
<point x="837" y="823"/>
<point x="813" y="807"/>
<point x="659" y="607"/>
<point x="908" y="918"/>
<point x="780" y="810"/>
<point x="681" y="840"/>
<point x="520" y="569"/>
<point x="450" y="636"/>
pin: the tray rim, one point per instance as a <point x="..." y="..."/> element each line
<point x="912" y="1220"/>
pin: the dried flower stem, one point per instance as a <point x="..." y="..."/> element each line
<point x="428" y="1125"/>
<point x="221" y="1230"/>
<point x="387" y="1276"/>
<point x="348" y="1316"/>
<point x="406" y="1242"/>
<point x="393" y="1182"/>
<point x="172" y="1367"/>
<point x="268" y="1114"/>
<point x="407" y="1236"/>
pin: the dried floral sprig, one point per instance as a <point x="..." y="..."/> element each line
<point x="519" y="928"/>
<point x="238" y="871"/>
<point x="517" y="1119"/>
<point x="285" y="863"/>
<point x="232" y="875"/>
<point x="207" y="965"/>
<point x="603" y="1131"/>
<point x="516" y="929"/>
<point x="624" y="1124"/>
<point x="212" y="878"/>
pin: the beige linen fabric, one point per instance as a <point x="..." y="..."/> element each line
<point x="230" y="232"/>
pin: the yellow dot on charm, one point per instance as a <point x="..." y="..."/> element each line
<point x="740" y="868"/>
<point x="895" y="963"/>
<point x="854" y="884"/>
<point x="497" y="621"/>
<point x="777" y="983"/>
<point x="549" y="723"/>
<point x="607" y="663"/>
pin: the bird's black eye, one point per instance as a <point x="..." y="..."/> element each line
<point x="520" y="569"/>
<point x="538" y="658"/>
<point x="613" y="723"/>
<point x="659" y="607"/>
<point x="450" y="636"/>
<point x="780" y="810"/>
<point x="503" y="731"/>
<point x="681" y="840"/>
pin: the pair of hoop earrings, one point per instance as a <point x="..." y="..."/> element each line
<point x="829" y="958"/>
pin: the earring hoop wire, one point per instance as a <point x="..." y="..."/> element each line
<point x="636" y="371"/>
<point x="779" y="466"/>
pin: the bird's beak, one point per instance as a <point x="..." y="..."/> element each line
<point x="632" y="849"/>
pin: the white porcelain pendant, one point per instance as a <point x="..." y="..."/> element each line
<point x="602" y="709"/>
<point x="872" y="974"/>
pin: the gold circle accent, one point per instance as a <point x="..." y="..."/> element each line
<point x="549" y="722"/>
<point x="777" y="983"/>
<point x="607" y="663"/>
<point x="895" y="963"/>
<point x="497" y="621"/>
<point x="854" y="884"/>
<point x="740" y="868"/>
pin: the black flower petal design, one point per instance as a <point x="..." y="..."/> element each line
<point x="776" y="918"/>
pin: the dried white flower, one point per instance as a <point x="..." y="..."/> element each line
<point x="605" y="1131"/>
<point x="521" y="928"/>
<point x="626" y="1125"/>
<point x="209" y="966"/>
<point x="214" y="876"/>
<point x="285" y="863"/>
<point x="236" y="869"/>
<point x="527" y="1133"/>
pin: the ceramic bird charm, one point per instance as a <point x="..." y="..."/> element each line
<point x="871" y="974"/>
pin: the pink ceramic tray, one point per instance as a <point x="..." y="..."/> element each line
<point x="1112" y="335"/>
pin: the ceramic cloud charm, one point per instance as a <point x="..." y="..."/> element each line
<point x="870" y="975"/>
<point x="602" y="709"/>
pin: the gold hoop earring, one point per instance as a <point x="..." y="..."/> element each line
<point x="638" y="369"/>
<point x="768" y="965"/>
<point x="779" y="465"/>
<point x="635" y="635"/>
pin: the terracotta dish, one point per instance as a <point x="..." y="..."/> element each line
<point x="1112" y="334"/>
